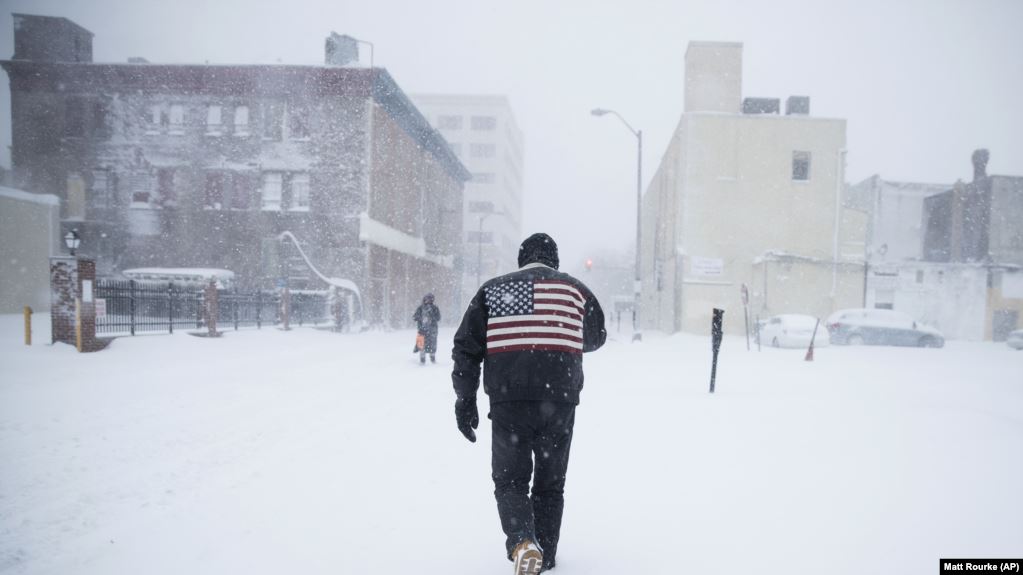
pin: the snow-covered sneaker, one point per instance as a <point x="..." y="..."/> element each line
<point x="528" y="558"/>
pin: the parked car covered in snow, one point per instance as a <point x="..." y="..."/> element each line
<point x="881" y="327"/>
<point x="792" y="330"/>
<point x="1015" y="339"/>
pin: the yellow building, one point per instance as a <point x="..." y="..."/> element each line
<point x="747" y="195"/>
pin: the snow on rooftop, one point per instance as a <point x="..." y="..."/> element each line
<point x="180" y="274"/>
<point x="46" y="199"/>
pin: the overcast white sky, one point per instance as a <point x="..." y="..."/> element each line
<point x="921" y="82"/>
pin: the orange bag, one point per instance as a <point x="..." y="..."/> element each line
<point x="420" y="341"/>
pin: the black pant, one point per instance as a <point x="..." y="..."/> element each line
<point x="522" y="430"/>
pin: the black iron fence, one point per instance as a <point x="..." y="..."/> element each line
<point x="130" y="307"/>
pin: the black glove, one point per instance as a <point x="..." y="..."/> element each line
<point x="467" y="416"/>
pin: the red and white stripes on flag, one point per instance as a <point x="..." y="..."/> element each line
<point x="544" y="315"/>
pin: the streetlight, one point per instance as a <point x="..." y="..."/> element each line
<point x="72" y="240"/>
<point x="639" y="207"/>
<point x="370" y="48"/>
<point x="479" y="243"/>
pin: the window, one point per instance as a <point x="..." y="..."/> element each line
<point x="100" y="128"/>
<point x="272" y="188"/>
<point x="456" y="148"/>
<point x="481" y="238"/>
<point x="483" y="178"/>
<point x="155" y="118"/>
<point x="801" y="166"/>
<point x="481" y="207"/>
<point x="165" y="194"/>
<point x="273" y="116"/>
<point x="74" y="117"/>
<point x="177" y="119"/>
<point x="213" y="119"/>
<point x="241" y="196"/>
<point x="299" y="192"/>
<point x="483" y="150"/>
<point x="141" y="186"/>
<point x="102" y="188"/>
<point x="483" y="123"/>
<point x="449" y="122"/>
<point x="241" y="121"/>
<point x="298" y="123"/>
<point x="213" y="197"/>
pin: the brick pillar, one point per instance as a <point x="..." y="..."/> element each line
<point x="73" y="285"/>
<point x="63" y="293"/>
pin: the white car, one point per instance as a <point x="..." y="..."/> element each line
<point x="881" y="327"/>
<point x="792" y="330"/>
<point x="1015" y="339"/>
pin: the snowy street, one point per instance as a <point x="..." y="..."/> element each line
<point x="314" y="452"/>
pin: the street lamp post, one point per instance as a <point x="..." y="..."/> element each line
<point x="370" y="44"/>
<point x="637" y="288"/>
<point x="72" y="241"/>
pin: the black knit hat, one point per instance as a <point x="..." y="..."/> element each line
<point x="539" y="248"/>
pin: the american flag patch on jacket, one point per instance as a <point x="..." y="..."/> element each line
<point x="534" y="315"/>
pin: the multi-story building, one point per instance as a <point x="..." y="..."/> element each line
<point x="482" y="132"/>
<point x="746" y="196"/>
<point x="208" y="166"/>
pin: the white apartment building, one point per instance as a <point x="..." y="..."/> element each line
<point x="746" y="195"/>
<point x="482" y="131"/>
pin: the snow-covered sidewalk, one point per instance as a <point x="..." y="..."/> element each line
<point x="313" y="452"/>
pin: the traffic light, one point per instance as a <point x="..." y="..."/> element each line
<point x="589" y="264"/>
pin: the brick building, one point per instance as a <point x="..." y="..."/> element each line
<point x="207" y="165"/>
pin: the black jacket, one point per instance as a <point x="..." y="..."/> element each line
<point x="427" y="316"/>
<point x="530" y="329"/>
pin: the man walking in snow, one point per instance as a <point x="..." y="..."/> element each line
<point x="530" y="329"/>
<point x="427" y="318"/>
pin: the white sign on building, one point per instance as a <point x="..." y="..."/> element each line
<point x="706" y="266"/>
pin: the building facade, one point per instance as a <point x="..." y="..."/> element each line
<point x="482" y="132"/>
<point x="747" y="196"/>
<point x="209" y="165"/>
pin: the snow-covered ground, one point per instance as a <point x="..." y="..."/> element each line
<point x="313" y="452"/>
